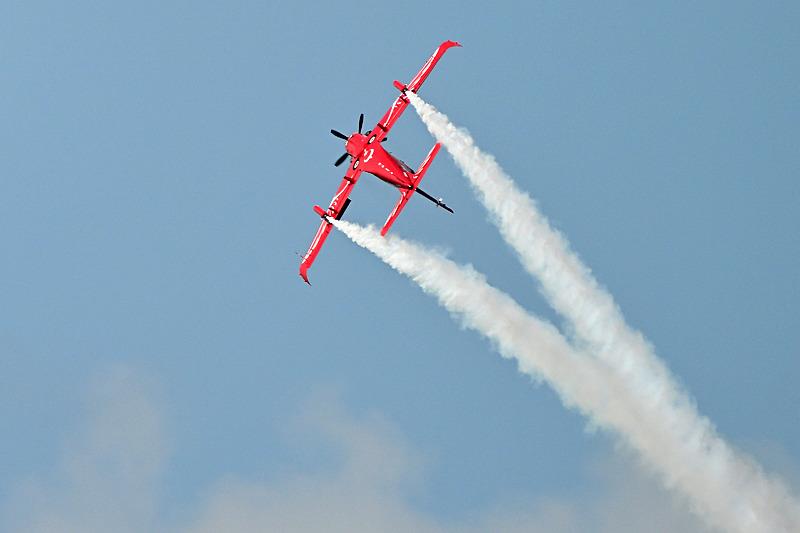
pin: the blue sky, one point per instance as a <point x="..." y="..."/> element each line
<point x="158" y="169"/>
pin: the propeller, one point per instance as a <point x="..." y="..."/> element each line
<point x="345" y="137"/>
<point x="344" y="155"/>
<point x="341" y="159"/>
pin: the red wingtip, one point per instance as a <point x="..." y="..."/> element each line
<point x="304" y="273"/>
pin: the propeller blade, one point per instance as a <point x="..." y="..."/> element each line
<point x="384" y="139"/>
<point x="340" y="135"/>
<point x="341" y="159"/>
<point x="360" y="122"/>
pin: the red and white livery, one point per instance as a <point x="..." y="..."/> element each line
<point x="367" y="155"/>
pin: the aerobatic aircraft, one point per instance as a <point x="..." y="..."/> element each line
<point x="367" y="155"/>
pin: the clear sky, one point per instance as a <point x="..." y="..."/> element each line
<point x="158" y="164"/>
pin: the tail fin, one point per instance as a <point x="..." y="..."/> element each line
<point x="405" y="194"/>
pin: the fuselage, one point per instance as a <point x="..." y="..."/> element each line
<point x="371" y="157"/>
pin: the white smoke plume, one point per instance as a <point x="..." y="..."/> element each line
<point x="541" y="351"/>
<point x="725" y="488"/>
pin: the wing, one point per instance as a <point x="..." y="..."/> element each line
<point x="426" y="69"/>
<point x="335" y="210"/>
<point x="400" y="104"/>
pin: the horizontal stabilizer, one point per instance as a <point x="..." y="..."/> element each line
<point x="405" y="194"/>
<point x="423" y="168"/>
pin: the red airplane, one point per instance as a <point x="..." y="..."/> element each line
<point x="367" y="155"/>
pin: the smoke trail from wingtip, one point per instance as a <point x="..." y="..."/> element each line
<point x="725" y="488"/>
<point x="583" y="383"/>
<point x="541" y="351"/>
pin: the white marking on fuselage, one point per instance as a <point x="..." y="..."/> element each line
<point x="384" y="167"/>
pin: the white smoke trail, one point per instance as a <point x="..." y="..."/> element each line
<point x="541" y="351"/>
<point x="583" y="383"/>
<point x="725" y="488"/>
